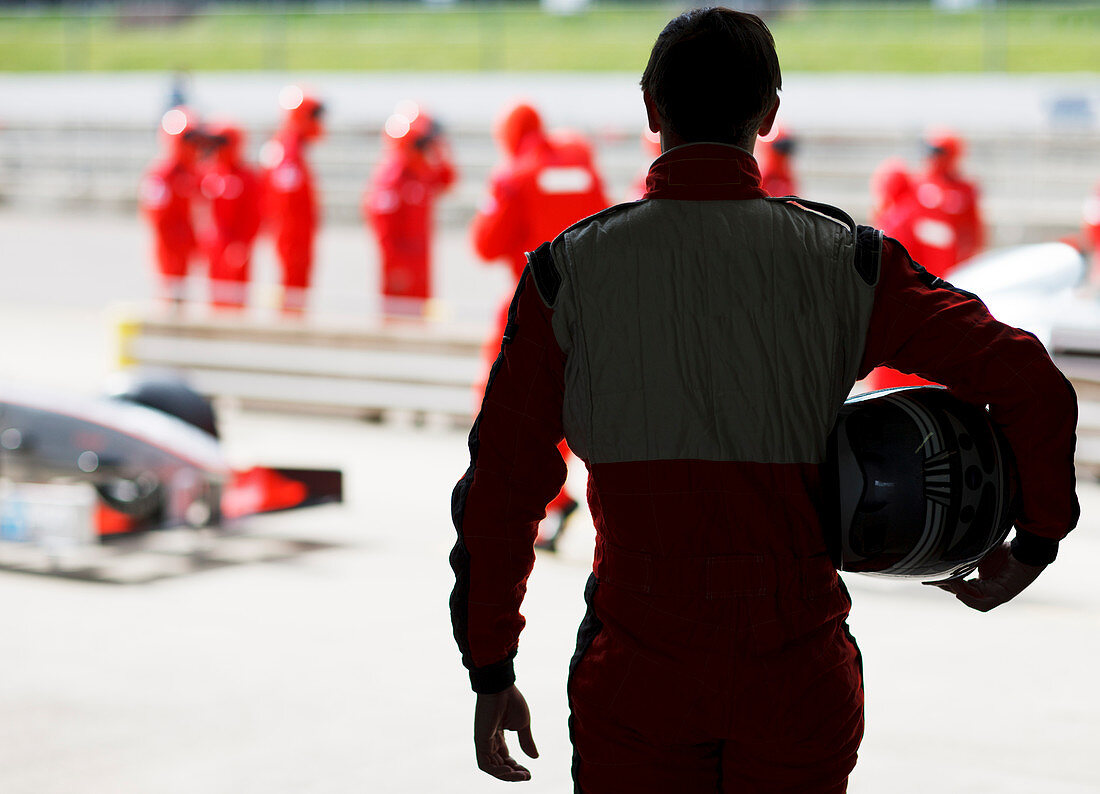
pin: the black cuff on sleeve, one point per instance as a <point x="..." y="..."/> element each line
<point x="1031" y="549"/>
<point x="493" y="678"/>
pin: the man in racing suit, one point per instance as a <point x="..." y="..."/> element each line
<point x="897" y="214"/>
<point x="694" y="347"/>
<point x="165" y="195"/>
<point x="290" y="204"/>
<point x="547" y="182"/>
<point x="1090" y="228"/>
<point x="414" y="171"/>
<point x="233" y="189"/>
<point x="947" y="220"/>
<point x="775" y="155"/>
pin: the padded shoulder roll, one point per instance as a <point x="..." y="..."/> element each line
<point x="545" y="273"/>
<point x="868" y="253"/>
<point x="826" y="210"/>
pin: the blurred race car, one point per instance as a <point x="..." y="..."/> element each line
<point x="1035" y="287"/>
<point x="150" y="450"/>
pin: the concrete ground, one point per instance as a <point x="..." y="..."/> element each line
<point x="335" y="671"/>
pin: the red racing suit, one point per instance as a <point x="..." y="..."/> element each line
<point x="549" y="185"/>
<point x="398" y="206"/>
<point x="776" y="171"/>
<point x="947" y="221"/>
<point x="165" y="196"/>
<point x="290" y="209"/>
<point x="694" y="348"/>
<point x="1091" y="229"/>
<point x="234" y="192"/>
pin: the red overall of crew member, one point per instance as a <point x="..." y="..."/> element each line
<point x="947" y="218"/>
<point x="233" y="189"/>
<point x="165" y="196"/>
<point x="934" y="215"/>
<point x="547" y="182"/>
<point x="651" y="147"/>
<point x="1090" y="227"/>
<point x="416" y="168"/>
<point x="775" y="155"/>
<point x="290" y="204"/>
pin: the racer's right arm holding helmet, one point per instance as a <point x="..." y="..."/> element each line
<point x="921" y="324"/>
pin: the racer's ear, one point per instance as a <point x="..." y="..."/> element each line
<point x="769" y="120"/>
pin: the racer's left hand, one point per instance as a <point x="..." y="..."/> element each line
<point x="1001" y="577"/>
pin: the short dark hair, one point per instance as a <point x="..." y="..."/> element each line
<point x="713" y="75"/>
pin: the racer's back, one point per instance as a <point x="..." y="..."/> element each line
<point x="709" y="346"/>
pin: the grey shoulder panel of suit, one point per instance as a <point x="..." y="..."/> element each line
<point x="868" y="240"/>
<point x="546" y="272"/>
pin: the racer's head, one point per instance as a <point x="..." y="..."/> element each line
<point x="890" y="182"/>
<point x="515" y="125"/>
<point x="411" y="130"/>
<point x="304" y="113"/>
<point x="226" y="140"/>
<point x="944" y="149"/>
<point x="182" y="134"/>
<point x="713" y="75"/>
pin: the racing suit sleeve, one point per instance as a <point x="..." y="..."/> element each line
<point x="515" y="470"/>
<point x="923" y="325"/>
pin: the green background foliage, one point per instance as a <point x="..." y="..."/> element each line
<point x="895" y="37"/>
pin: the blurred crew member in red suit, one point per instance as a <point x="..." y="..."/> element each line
<point x="233" y="189"/>
<point x="290" y="203"/>
<point x="894" y="204"/>
<point x="775" y="154"/>
<point x="415" y="169"/>
<point x="948" y="224"/>
<point x="165" y="196"/>
<point x="651" y="148"/>
<point x="897" y="212"/>
<point x="1090" y="228"/>
<point x="546" y="183"/>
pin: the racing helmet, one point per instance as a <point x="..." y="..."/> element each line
<point x="410" y="128"/>
<point x="515" y="123"/>
<point x="944" y="148"/>
<point x="783" y="143"/>
<point x="226" y="139"/>
<point x="181" y="132"/>
<point x="918" y="485"/>
<point x="304" y="112"/>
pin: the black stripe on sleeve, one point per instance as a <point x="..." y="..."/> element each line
<point x="931" y="281"/>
